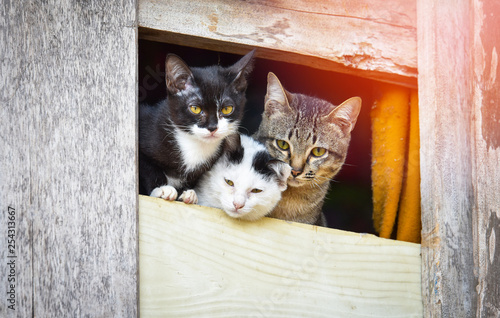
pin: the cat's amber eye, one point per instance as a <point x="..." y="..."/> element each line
<point x="256" y="191"/>
<point x="282" y="144"/>
<point x="318" y="152"/>
<point x="227" y="110"/>
<point x="195" y="109"/>
<point x="231" y="183"/>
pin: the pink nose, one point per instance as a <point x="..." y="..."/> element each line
<point x="296" y="172"/>
<point x="238" y="206"/>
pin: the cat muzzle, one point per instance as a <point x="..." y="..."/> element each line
<point x="238" y="205"/>
<point x="296" y="173"/>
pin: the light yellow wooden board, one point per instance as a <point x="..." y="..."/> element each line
<point x="197" y="262"/>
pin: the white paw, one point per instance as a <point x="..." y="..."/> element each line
<point x="189" y="197"/>
<point x="165" y="192"/>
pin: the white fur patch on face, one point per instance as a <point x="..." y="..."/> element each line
<point x="224" y="129"/>
<point x="239" y="201"/>
<point x="229" y="186"/>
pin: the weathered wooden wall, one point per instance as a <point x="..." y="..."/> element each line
<point x="68" y="158"/>
<point x="68" y="146"/>
<point x="373" y="39"/>
<point x="459" y="96"/>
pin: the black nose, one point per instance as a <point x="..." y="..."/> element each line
<point x="212" y="128"/>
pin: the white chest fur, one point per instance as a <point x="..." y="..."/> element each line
<point x="196" y="151"/>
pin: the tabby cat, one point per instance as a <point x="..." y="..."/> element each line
<point x="182" y="136"/>
<point x="311" y="135"/>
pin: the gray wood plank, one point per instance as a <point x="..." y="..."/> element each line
<point x="448" y="281"/>
<point x="16" y="140"/>
<point x="69" y="129"/>
<point x="486" y="151"/>
<point x="367" y="38"/>
<point x="460" y="157"/>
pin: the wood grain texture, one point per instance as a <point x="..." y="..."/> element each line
<point x="198" y="262"/>
<point x="460" y="157"/>
<point x="68" y="161"/>
<point x="459" y="131"/>
<point x="448" y="281"/>
<point x="374" y="40"/>
<point x="486" y="151"/>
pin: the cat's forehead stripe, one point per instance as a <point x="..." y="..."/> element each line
<point x="295" y="126"/>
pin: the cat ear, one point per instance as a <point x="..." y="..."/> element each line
<point x="347" y="112"/>
<point x="277" y="98"/>
<point x="243" y="68"/>
<point x="282" y="171"/>
<point x="177" y="74"/>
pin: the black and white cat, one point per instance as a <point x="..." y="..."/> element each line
<point x="245" y="182"/>
<point x="182" y="136"/>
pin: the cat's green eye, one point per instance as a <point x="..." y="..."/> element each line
<point x="227" y="110"/>
<point x="195" y="109"/>
<point x="231" y="183"/>
<point x="282" y="144"/>
<point x="256" y="191"/>
<point x="318" y="152"/>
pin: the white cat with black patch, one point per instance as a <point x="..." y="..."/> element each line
<point x="245" y="182"/>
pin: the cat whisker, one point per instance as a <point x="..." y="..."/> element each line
<point x="324" y="179"/>
<point x="315" y="184"/>
<point x="321" y="178"/>
<point x="167" y="136"/>
<point x="169" y="132"/>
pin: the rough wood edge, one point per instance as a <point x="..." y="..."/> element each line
<point x="273" y="54"/>
<point x="347" y="42"/>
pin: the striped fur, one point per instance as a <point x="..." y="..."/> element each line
<point x="305" y="123"/>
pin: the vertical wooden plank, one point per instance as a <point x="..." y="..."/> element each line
<point x="69" y="117"/>
<point x="16" y="140"/>
<point x="448" y="278"/>
<point x="486" y="150"/>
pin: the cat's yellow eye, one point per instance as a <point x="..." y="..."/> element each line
<point x="227" y="110"/>
<point x="318" y="152"/>
<point x="282" y="144"/>
<point x="231" y="183"/>
<point x="256" y="191"/>
<point x="195" y="109"/>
